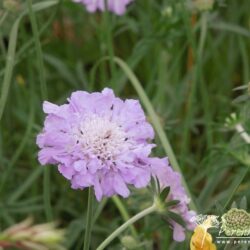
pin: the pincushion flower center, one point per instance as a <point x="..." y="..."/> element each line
<point x="102" y="137"/>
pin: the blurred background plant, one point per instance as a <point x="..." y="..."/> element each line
<point x="24" y="235"/>
<point x="188" y="58"/>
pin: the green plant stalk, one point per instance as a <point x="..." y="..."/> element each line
<point x="197" y="76"/>
<point x="192" y="91"/>
<point x="109" y="42"/>
<point x="156" y="123"/>
<point x="24" y="141"/>
<point x="99" y="209"/>
<point x="10" y="60"/>
<point x="245" y="58"/>
<point x="120" y="229"/>
<point x="26" y="47"/>
<point x="9" y="66"/>
<point x="21" y="146"/>
<point x="124" y="213"/>
<point x="46" y="194"/>
<point x="88" y="220"/>
<point x="2" y="46"/>
<point x="40" y="64"/>
<point x="26" y="185"/>
<point x="241" y="178"/>
<point x="4" y="16"/>
<point x="204" y="92"/>
<point x="7" y="217"/>
<point x="39" y="52"/>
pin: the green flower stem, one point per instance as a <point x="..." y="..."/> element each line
<point x="89" y="215"/>
<point x="40" y="65"/>
<point x="156" y="123"/>
<point x="99" y="209"/>
<point x="128" y="223"/>
<point x="124" y="214"/>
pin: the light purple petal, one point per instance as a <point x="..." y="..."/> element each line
<point x="120" y="186"/>
<point x="80" y="166"/>
<point x="67" y="172"/>
<point x="116" y="6"/>
<point x="179" y="232"/>
<point x="98" y="190"/>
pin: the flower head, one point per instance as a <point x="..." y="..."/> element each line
<point x="116" y="6"/>
<point x="169" y="178"/>
<point x="98" y="140"/>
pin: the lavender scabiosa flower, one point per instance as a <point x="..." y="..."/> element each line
<point x="98" y="140"/>
<point x="169" y="178"/>
<point x="116" y="6"/>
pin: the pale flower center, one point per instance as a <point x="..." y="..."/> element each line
<point x="102" y="137"/>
